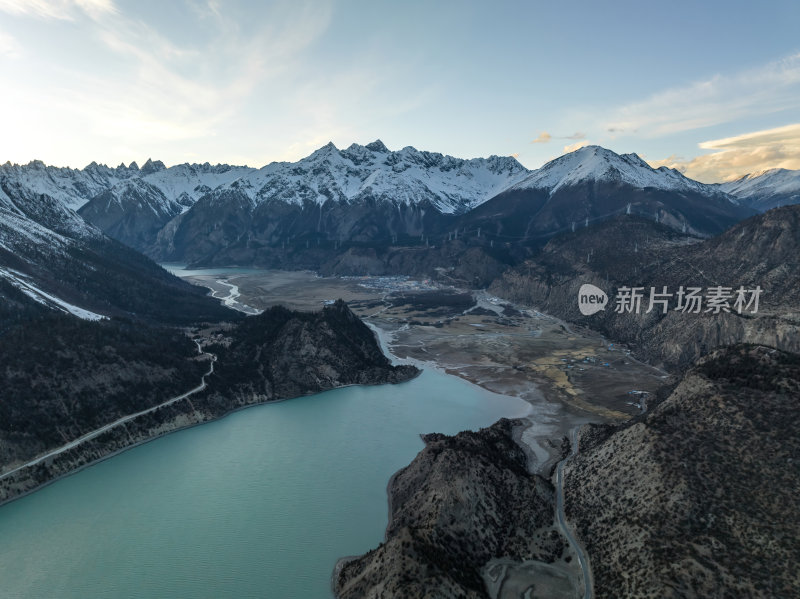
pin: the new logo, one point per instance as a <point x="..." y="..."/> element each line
<point x="591" y="299"/>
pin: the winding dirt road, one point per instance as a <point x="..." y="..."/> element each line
<point x="118" y="422"/>
<point x="583" y="560"/>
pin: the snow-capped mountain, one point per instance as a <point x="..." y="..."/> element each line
<point x="72" y="187"/>
<point x="373" y="172"/>
<point x="135" y="209"/>
<point x="593" y="183"/>
<point x="766" y="189"/>
<point x="599" y="165"/>
<point x="362" y="194"/>
<point x="182" y="183"/>
<point x="294" y="214"/>
<point x="51" y="258"/>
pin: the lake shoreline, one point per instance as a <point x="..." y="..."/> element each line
<point x="168" y="430"/>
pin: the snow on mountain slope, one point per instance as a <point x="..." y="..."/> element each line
<point x="186" y="183"/>
<point x="25" y="284"/>
<point x="594" y="163"/>
<point x="766" y="189"/>
<point x="42" y="210"/>
<point x="135" y="192"/>
<point x="19" y="234"/>
<point x="36" y="230"/>
<point x="183" y="183"/>
<point x="358" y="173"/>
<point x="73" y="187"/>
<point x="49" y="256"/>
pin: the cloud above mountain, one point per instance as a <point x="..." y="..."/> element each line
<point x="739" y="155"/>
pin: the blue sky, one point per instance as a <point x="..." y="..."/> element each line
<point x="710" y="87"/>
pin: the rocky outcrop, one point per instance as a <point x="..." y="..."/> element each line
<point x="698" y="498"/>
<point x="465" y="501"/>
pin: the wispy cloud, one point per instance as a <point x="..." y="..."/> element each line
<point x="543" y="138"/>
<point x="576" y="135"/>
<point x="66" y="10"/>
<point x="779" y="137"/>
<point x="741" y="154"/>
<point x="772" y="88"/>
<point x="163" y="89"/>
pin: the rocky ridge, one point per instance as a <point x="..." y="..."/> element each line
<point x="696" y="499"/>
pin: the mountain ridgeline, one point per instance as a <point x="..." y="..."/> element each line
<point x="593" y="184"/>
<point x="370" y="199"/>
<point x="768" y="189"/>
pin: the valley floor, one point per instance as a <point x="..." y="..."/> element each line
<point x="569" y="376"/>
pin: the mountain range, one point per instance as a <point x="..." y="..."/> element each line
<point x="299" y="214"/>
<point x="361" y="210"/>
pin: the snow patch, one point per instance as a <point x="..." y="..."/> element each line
<point x="22" y="282"/>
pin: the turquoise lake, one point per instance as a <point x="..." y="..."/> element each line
<point x="260" y="503"/>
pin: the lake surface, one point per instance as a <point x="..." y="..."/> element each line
<point x="258" y="504"/>
<point x="180" y="270"/>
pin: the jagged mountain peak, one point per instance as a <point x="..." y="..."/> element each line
<point x="377" y="146"/>
<point x="152" y="166"/>
<point x="408" y="176"/>
<point x="328" y="148"/>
